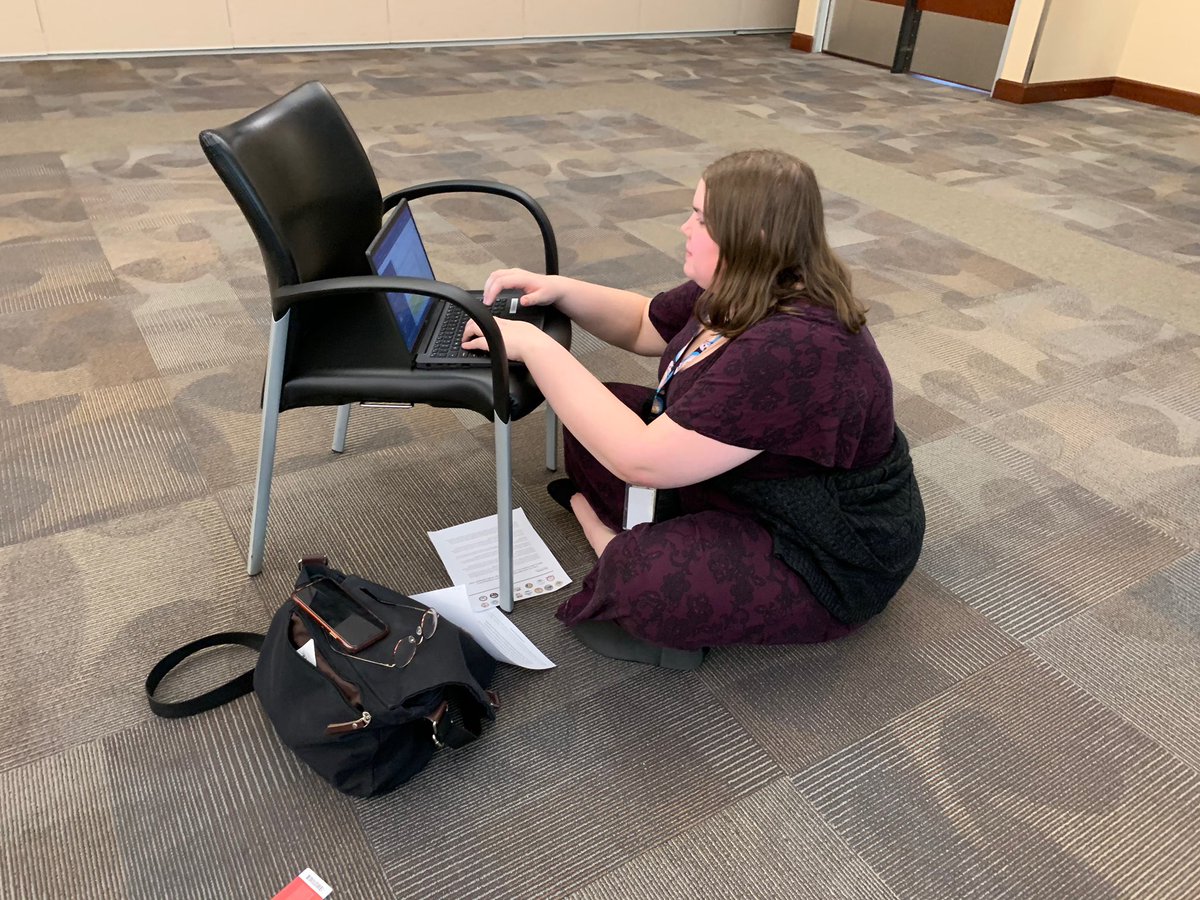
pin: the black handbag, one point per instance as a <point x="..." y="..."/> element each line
<point x="365" y="721"/>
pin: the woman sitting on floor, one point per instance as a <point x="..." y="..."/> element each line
<point x="793" y="513"/>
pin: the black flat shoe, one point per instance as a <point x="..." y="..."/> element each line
<point x="561" y="490"/>
<point x="611" y="640"/>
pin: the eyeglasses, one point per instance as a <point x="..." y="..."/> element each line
<point x="405" y="650"/>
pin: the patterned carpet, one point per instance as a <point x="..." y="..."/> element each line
<point x="1022" y="721"/>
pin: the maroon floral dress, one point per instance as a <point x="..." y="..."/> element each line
<point x="801" y="388"/>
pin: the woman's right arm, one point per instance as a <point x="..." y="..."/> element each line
<point x="620" y="318"/>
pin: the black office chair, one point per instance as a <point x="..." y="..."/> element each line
<point x="303" y="181"/>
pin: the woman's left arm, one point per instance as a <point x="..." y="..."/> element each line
<point x="661" y="454"/>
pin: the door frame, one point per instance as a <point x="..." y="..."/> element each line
<point x="821" y="28"/>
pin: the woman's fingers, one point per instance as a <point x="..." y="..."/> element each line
<point x="536" y="290"/>
<point x="512" y="333"/>
<point x="472" y="338"/>
<point x="503" y="280"/>
<point x="535" y="297"/>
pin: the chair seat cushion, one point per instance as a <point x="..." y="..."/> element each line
<point x="348" y="349"/>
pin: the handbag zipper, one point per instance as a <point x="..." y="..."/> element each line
<point x="346" y="727"/>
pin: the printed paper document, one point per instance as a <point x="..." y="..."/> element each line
<point x="471" y="557"/>
<point x="491" y="628"/>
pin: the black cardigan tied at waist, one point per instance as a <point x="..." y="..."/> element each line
<point x="853" y="536"/>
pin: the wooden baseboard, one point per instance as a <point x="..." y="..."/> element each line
<point x="1153" y="94"/>
<point x="1009" y="91"/>
<point x="802" y="42"/>
<point x="1014" y="92"/>
<point x="1156" y="95"/>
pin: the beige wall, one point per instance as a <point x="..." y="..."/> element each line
<point x="806" y="17"/>
<point x="99" y="26"/>
<point x="703" y="15"/>
<point x="33" y="27"/>
<point x="284" y="23"/>
<point x="1144" y="40"/>
<point x="443" y="20"/>
<point x="20" y="29"/>
<point x="1083" y="39"/>
<point x="1162" y="46"/>
<point x="1021" y="35"/>
<point x="761" y="13"/>
<point x="554" y="17"/>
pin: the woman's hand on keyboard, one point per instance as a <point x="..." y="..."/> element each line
<point x="518" y="337"/>
<point x="538" y="290"/>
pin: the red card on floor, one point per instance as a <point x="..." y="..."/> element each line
<point x="305" y="886"/>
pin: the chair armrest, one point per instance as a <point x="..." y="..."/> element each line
<point x="429" y="188"/>
<point x="284" y="299"/>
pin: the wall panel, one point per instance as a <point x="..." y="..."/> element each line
<point x="89" y="26"/>
<point x="456" y="20"/>
<point x="552" y="17"/>
<point x="20" y="29"/>
<point x="287" y="23"/>
<point x="1082" y="39"/>
<point x="1022" y="35"/>
<point x="766" y="13"/>
<point x="806" y="16"/>
<point x="1162" y="45"/>
<point x="129" y="26"/>
<point x="700" y="15"/>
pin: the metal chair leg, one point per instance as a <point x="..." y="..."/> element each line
<point x="340" y="427"/>
<point x="272" y="389"/>
<point x="551" y="439"/>
<point x="504" y="525"/>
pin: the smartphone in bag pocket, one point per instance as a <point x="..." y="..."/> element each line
<point x="342" y="617"/>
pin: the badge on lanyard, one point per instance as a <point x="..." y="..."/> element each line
<point x="657" y="404"/>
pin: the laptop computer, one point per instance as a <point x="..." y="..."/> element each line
<point x="432" y="328"/>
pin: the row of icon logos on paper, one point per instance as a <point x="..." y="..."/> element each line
<point x="543" y="584"/>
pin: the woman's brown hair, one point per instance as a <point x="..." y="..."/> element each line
<point x="763" y="210"/>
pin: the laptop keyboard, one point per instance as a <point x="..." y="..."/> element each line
<point x="447" y="343"/>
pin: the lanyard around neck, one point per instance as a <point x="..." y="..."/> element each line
<point x="658" y="402"/>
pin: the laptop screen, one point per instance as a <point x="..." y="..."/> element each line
<point x="398" y="250"/>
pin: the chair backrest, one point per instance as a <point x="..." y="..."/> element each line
<point x="302" y="179"/>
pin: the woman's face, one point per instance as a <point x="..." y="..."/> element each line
<point x="701" y="252"/>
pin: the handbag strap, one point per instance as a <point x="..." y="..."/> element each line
<point x="453" y="729"/>
<point x="454" y="726"/>
<point x="218" y="696"/>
